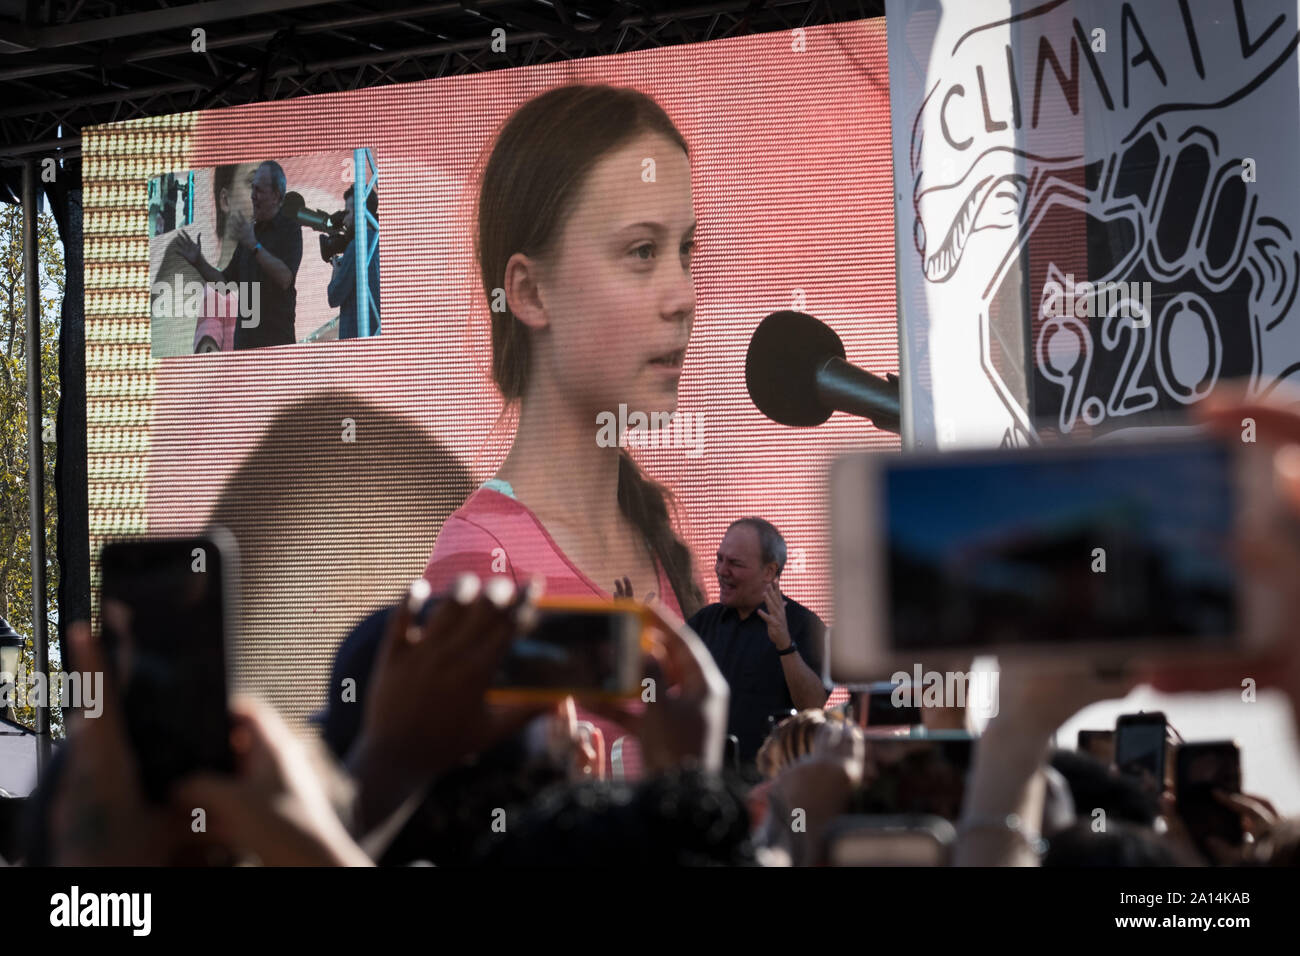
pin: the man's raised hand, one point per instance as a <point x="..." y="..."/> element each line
<point x="778" y="628"/>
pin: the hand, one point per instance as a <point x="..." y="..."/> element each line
<point x="589" y="754"/>
<point x="1275" y="845"/>
<point x="426" y="705"/>
<point x="1258" y="815"/>
<point x="778" y="629"/>
<point x="275" y="806"/>
<point x="1176" y="833"/>
<point x="623" y="589"/>
<point x="100" y="816"/>
<point x="577" y="746"/>
<point x="1272" y="557"/>
<point x="189" y="250"/>
<point x="1258" y="818"/>
<point x="242" y="227"/>
<point x="687" y="720"/>
<point x="1035" y="699"/>
<point x="821" y="786"/>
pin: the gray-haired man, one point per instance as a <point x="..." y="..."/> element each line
<point x="768" y="646"/>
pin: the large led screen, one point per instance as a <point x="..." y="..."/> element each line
<point x="595" y="240"/>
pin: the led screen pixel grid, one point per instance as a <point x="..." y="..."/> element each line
<point x="792" y="187"/>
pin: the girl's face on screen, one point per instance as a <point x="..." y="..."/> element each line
<point x="618" y="293"/>
<point x="239" y="196"/>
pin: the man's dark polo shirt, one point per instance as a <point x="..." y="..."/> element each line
<point x="747" y="659"/>
<point x="282" y="238"/>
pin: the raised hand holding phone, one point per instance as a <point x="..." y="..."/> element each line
<point x="275" y="805"/>
<point x="1273" y="557"/>
<point x="1006" y="781"/>
<point x="686" y="721"/>
<point x="426" y="705"/>
<point x="100" y="815"/>
<point x="166" y="611"/>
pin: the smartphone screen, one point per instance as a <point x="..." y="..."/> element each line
<point x="1141" y="742"/>
<point x="162" y="603"/>
<point x="1121" y="543"/>
<point x="594" y="650"/>
<point x="1202" y="768"/>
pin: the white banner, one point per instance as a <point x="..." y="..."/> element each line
<point x="1098" y="211"/>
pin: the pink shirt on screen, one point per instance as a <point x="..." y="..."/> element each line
<point x="491" y="526"/>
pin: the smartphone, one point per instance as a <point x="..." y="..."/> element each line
<point x="902" y="840"/>
<point x="1200" y="769"/>
<point x="1142" y="747"/>
<point x="1098" y="743"/>
<point x="588" y="648"/>
<point x="910" y="775"/>
<point x="165" y="605"/>
<point x="1097" y="552"/>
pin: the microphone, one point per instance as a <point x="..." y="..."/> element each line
<point x="796" y="375"/>
<point x="296" y="207"/>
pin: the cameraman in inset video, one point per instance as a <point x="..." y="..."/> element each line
<point x="342" y="291"/>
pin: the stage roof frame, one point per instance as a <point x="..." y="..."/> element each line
<point x="69" y="64"/>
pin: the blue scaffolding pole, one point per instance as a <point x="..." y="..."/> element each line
<point x="366" y="237"/>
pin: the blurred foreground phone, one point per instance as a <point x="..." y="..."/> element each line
<point x="1200" y="769"/>
<point x="881" y="711"/>
<point x="1098" y="743"/>
<point x="906" y="840"/>
<point x="164" y="607"/>
<point x="910" y="775"/>
<point x="1098" y="553"/>
<point x="1142" y="747"/>
<point x="588" y="648"/>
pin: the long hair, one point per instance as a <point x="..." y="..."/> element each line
<point x="540" y="160"/>
<point x="790" y="740"/>
<point x="223" y="178"/>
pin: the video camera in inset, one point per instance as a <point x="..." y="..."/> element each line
<point x="336" y="235"/>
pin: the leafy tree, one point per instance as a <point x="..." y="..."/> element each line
<point x="16" y="604"/>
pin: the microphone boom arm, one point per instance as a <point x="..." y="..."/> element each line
<point x="850" y="389"/>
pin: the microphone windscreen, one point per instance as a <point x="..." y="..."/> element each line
<point x="293" y="203"/>
<point x="781" y="366"/>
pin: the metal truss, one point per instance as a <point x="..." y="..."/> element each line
<point x="69" y="64"/>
